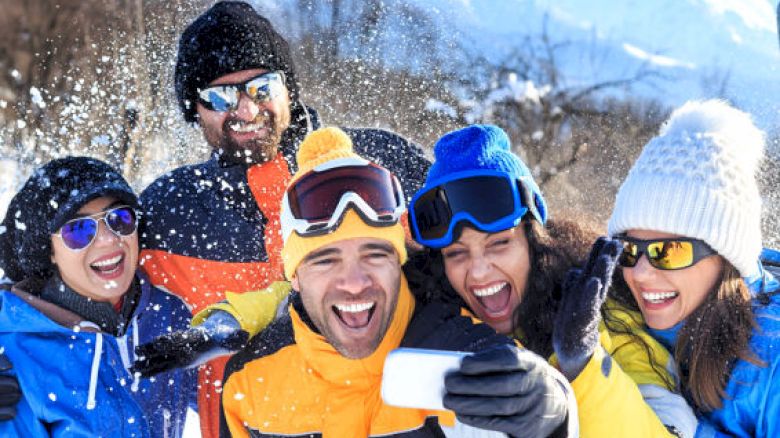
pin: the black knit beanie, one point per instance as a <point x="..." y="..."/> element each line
<point x="227" y="38"/>
<point x="50" y="197"/>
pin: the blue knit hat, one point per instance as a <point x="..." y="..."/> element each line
<point x="483" y="147"/>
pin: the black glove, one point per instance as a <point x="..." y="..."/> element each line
<point x="9" y="391"/>
<point x="510" y="390"/>
<point x="576" y="329"/>
<point x="219" y="334"/>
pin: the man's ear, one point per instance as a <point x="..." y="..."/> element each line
<point x="295" y="283"/>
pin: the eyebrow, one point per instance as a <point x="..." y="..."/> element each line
<point x="321" y="253"/>
<point x="386" y="247"/>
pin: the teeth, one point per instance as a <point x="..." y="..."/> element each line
<point x="488" y="291"/>
<point x="354" y="307"/>
<point x="245" y="127"/>
<point x="658" y="297"/>
<point x="108" y="262"/>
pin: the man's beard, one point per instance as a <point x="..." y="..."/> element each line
<point x="254" y="151"/>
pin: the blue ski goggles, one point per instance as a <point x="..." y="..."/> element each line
<point x="491" y="201"/>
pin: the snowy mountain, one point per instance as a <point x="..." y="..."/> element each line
<point x="703" y="48"/>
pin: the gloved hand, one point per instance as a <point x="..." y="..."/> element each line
<point x="509" y="390"/>
<point x="219" y="334"/>
<point x="9" y="391"/>
<point x="576" y="329"/>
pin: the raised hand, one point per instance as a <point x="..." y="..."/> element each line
<point x="575" y="334"/>
<point x="219" y="334"/>
<point x="510" y="390"/>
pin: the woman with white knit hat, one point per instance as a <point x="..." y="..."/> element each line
<point x="689" y="215"/>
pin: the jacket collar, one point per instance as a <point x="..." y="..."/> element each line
<point x="320" y="355"/>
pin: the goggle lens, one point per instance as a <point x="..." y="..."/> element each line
<point x="121" y="221"/>
<point x="263" y="88"/>
<point x="316" y="197"/>
<point x="80" y="232"/>
<point x="487" y="199"/>
<point x="662" y="254"/>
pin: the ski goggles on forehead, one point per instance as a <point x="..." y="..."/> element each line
<point x="665" y="254"/>
<point x="225" y="97"/>
<point x="316" y="203"/>
<point x="79" y="233"/>
<point x="491" y="201"/>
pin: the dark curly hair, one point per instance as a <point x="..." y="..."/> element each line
<point x="554" y="249"/>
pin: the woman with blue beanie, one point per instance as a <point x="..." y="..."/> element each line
<point x="78" y="307"/>
<point x="493" y="250"/>
<point x="689" y="215"/>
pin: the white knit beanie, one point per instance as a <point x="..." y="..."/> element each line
<point x="697" y="178"/>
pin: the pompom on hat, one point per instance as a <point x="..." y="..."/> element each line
<point x="329" y="145"/>
<point x="697" y="179"/>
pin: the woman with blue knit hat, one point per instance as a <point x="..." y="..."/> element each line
<point x="493" y="249"/>
<point x="78" y="306"/>
<point x="689" y="216"/>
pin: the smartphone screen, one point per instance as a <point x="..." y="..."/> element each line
<point x="414" y="378"/>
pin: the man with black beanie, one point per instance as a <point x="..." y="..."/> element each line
<point x="213" y="227"/>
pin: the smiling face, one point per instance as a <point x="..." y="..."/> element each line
<point x="668" y="297"/>
<point x="252" y="132"/>
<point x="349" y="290"/>
<point x="103" y="270"/>
<point x="490" y="272"/>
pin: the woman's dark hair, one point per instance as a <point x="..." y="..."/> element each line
<point x="554" y="249"/>
<point x="712" y="338"/>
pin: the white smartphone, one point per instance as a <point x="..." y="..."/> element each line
<point x="414" y="377"/>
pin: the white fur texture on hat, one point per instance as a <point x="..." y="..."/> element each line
<point x="697" y="178"/>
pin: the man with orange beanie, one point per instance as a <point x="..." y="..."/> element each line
<point x="317" y="370"/>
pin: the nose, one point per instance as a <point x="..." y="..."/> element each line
<point x="354" y="279"/>
<point x="480" y="267"/>
<point x="104" y="235"/>
<point x="247" y="108"/>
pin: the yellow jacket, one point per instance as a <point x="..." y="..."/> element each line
<point x="618" y="393"/>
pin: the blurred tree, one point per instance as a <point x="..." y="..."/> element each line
<point x="85" y="77"/>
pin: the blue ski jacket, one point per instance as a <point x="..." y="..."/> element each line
<point x="751" y="407"/>
<point x="74" y="378"/>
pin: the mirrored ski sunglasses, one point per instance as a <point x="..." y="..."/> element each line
<point x="77" y="234"/>
<point x="665" y="254"/>
<point x="225" y="97"/>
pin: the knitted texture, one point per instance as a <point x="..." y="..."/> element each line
<point x="326" y="146"/>
<point x="50" y="197"/>
<point x="227" y="38"/>
<point x="482" y="147"/>
<point x="323" y="145"/>
<point x="697" y="178"/>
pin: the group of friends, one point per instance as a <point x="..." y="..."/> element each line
<point x="307" y="254"/>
